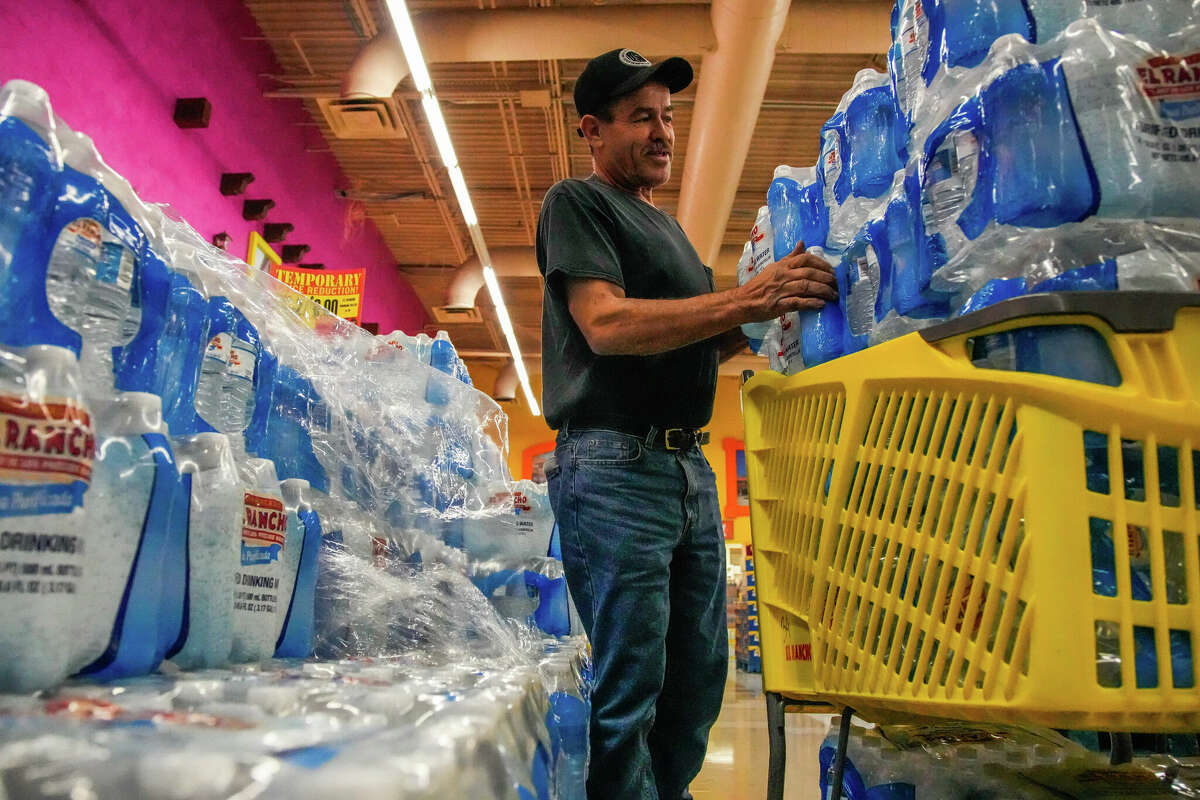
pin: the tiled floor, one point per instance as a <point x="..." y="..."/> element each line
<point x="736" y="765"/>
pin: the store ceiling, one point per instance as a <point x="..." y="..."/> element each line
<point x="511" y="152"/>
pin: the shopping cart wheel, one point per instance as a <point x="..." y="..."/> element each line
<point x="838" y="767"/>
<point x="777" y="758"/>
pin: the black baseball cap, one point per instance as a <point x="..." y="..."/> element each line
<point x="619" y="72"/>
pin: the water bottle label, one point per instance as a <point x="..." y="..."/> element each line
<point x="241" y="360"/>
<point x="760" y="250"/>
<point x="914" y="48"/>
<point x="523" y="511"/>
<point x="83" y="236"/>
<point x="218" y="348"/>
<point x="860" y="306"/>
<point x="264" y="529"/>
<point x="831" y="159"/>
<point x="1173" y="83"/>
<point x="789" y="339"/>
<point x="46" y="454"/>
<point x="115" y="266"/>
<point x="950" y="179"/>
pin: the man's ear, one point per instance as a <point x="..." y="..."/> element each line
<point x="589" y="126"/>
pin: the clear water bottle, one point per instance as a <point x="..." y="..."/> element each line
<point x="214" y="549"/>
<point x="30" y="162"/>
<point x="113" y="312"/>
<point x="795" y="202"/>
<point x="834" y="185"/>
<point x="1142" y="19"/>
<point x="1135" y="105"/>
<point x="568" y="720"/>
<point x="1101" y="276"/>
<point x="79" y="245"/>
<point x="422" y="345"/>
<point x="442" y="357"/>
<point x="296" y="637"/>
<point x="211" y="385"/>
<point x="254" y="437"/>
<point x="914" y="254"/>
<point x="127" y="588"/>
<point x="949" y="181"/>
<point x="239" y="397"/>
<point x="762" y="241"/>
<point x="185" y="335"/>
<point x="875" y="137"/>
<point x="993" y="292"/>
<point x="92" y="268"/>
<point x="754" y="330"/>
<point x="822" y="332"/>
<point x="260" y="578"/>
<point x="42" y="505"/>
<point x="135" y="363"/>
<point x="1042" y="176"/>
<point x="962" y="31"/>
<point x="909" y="59"/>
<point x="859" y="154"/>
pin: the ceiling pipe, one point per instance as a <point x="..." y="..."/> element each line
<point x="734" y="76"/>
<point x="738" y="40"/>
<point x="520" y="262"/>
<point x="506" y="383"/>
<point x="571" y="33"/>
<point x="508" y="262"/>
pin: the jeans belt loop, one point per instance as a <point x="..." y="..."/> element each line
<point x="651" y="435"/>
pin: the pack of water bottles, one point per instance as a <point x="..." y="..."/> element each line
<point x="967" y="761"/>
<point x="200" y="468"/>
<point x="1014" y="147"/>
<point x="378" y="728"/>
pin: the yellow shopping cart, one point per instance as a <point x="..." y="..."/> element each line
<point x="945" y="525"/>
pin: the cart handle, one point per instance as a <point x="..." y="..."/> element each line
<point x="1125" y="312"/>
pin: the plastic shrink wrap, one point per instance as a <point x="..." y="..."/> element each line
<point x="1068" y="163"/>
<point x="200" y="468"/>
<point x="932" y="37"/>
<point x="862" y="146"/>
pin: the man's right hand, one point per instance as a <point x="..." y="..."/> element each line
<point x="797" y="282"/>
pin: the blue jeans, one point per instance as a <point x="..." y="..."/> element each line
<point x="644" y="556"/>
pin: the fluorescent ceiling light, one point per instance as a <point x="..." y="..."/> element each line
<point x="489" y="278"/>
<point x="402" y="23"/>
<point x="464" y="199"/>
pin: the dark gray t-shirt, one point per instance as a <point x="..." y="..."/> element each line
<point x="589" y="229"/>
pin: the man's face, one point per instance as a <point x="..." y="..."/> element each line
<point x="634" y="150"/>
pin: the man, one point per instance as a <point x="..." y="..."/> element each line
<point x="631" y="336"/>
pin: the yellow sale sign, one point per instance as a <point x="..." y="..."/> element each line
<point x="339" y="291"/>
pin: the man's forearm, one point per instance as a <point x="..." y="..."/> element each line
<point x="632" y="326"/>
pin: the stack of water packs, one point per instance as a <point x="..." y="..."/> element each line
<point x="1013" y="147"/>
<point x="194" y="475"/>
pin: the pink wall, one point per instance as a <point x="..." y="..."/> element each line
<point x="113" y="69"/>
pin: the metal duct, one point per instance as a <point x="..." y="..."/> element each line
<point x="506" y="383"/>
<point x="509" y="262"/>
<point x="738" y="40"/>
<point x="733" y="81"/>
<point x="561" y="33"/>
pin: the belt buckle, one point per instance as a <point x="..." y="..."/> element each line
<point x="667" y="438"/>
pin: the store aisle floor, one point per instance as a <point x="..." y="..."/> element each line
<point x="736" y="765"/>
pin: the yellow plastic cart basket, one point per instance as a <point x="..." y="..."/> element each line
<point x="942" y="538"/>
